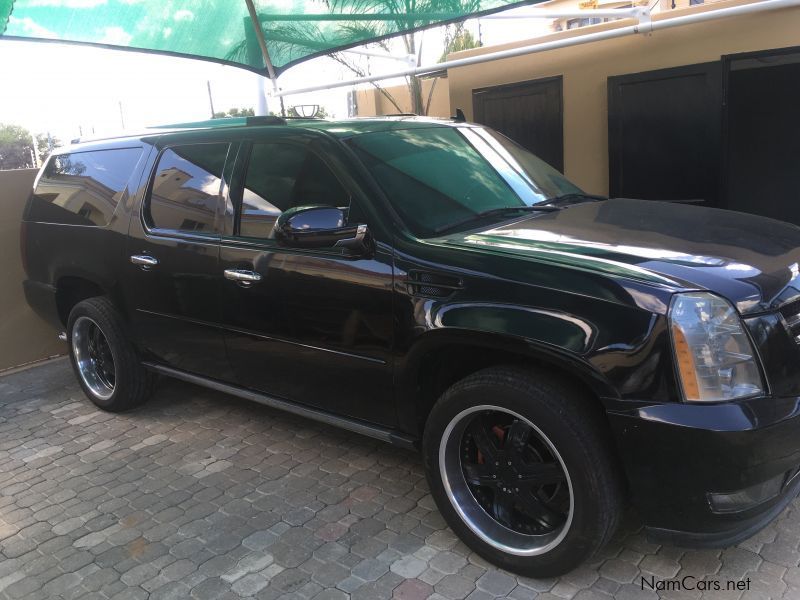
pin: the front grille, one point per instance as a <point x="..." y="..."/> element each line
<point x="791" y="316"/>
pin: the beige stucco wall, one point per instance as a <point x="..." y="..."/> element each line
<point x="23" y="336"/>
<point x="371" y="102"/>
<point x="585" y="69"/>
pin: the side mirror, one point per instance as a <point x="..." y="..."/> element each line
<point x="319" y="227"/>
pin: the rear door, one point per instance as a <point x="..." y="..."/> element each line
<point x="316" y="324"/>
<point x="173" y="278"/>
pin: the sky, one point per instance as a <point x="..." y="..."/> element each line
<point x="69" y="91"/>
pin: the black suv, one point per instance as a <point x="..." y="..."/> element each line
<point x="434" y="285"/>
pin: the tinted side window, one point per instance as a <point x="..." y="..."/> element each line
<point x="187" y="188"/>
<point x="283" y="176"/>
<point x="83" y="188"/>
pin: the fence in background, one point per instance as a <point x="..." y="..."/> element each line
<point x="24" y="337"/>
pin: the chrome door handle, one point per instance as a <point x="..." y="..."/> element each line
<point x="144" y="261"/>
<point x="242" y="276"/>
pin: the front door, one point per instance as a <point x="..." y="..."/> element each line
<point x="312" y="326"/>
<point x="173" y="278"/>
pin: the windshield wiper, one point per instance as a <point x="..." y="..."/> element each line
<point x="573" y="198"/>
<point x="505" y="210"/>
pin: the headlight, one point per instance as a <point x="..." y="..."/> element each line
<point x="715" y="358"/>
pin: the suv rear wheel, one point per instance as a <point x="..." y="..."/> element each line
<point x="521" y="470"/>
<point x="105" y="362"/>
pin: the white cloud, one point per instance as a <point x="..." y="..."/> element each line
<point x="28" y="27"/>
<point x="116" y="35"/>
<point x="67" y="3"/>
<point x="183" y="15"/>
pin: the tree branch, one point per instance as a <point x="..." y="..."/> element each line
<point x="360" y="73"/>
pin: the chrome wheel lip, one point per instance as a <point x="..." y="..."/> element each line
<point x="473" y="515"/>
<point x="88" y="370"/>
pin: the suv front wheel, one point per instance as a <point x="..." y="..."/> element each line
<point x="104" y="360"/>
<point x="519" y="467"/>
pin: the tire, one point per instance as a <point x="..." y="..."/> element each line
<point x="104" y="360"/>
<point x="569" y="497"/>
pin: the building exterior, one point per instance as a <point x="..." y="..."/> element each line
<point x="566" y="23"/>
<point x="702" y="112"/>
<point x="370" y="102"/>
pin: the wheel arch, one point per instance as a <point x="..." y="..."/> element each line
<point x="73" y="287"/>
<point x="440" y="358"/>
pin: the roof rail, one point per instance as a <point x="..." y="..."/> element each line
<point x="265" y="120"/>
<point x="225" y="122"/>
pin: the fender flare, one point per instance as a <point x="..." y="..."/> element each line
<point x="409" y="366"/>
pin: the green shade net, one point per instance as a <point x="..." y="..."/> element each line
<point x="222" y="31"/>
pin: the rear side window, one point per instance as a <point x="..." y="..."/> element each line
<point x="187" y="188"/>
<point x="83" y="188"/>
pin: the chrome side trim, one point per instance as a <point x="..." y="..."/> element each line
<point x="354" y="425"/>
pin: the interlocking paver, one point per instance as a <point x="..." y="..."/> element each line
<point x="199" y="495"/>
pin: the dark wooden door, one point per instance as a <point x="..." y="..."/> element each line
<point x="763" y="150"/>
<point x="665" y="134"/>
<point x="530" y="113"/>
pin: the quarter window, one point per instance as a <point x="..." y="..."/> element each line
<point x="280" y="177"/>
<point x="187" y="188"/>
<point x="83" y="187"/>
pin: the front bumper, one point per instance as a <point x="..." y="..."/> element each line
<point x="676" y="455"/>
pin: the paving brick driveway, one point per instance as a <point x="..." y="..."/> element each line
<point x="200" y="495"/>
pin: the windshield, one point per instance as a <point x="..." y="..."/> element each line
<point x="439" y="177"/>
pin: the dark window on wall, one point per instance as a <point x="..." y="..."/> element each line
<point x="187" y="188"/>
<point x="280" y="177"/>
<point x="83" y="187"/>
<point x="583" y="22"/>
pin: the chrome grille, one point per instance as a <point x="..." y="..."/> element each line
<point x="791" y="316"/>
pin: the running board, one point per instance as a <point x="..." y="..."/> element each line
<point x="373" y="431"/>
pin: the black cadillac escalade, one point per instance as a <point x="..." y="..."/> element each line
<point x="432" y="284"/>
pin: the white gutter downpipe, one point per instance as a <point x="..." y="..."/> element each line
<point x="646" y="27"/>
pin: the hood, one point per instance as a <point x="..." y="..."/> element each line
<point x="750" y="260"/>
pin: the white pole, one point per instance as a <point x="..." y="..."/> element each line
<point x="403" y="59"/>
<point x="35" y="148"/>
<point x="709" y="15"/>
<point x="261" y="98"/>
<point x="541" y="13"/>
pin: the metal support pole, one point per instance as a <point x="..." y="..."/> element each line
<point x="261" y="97"/>
<point x="210" y="98"/>
<point x="262" y="43"/>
